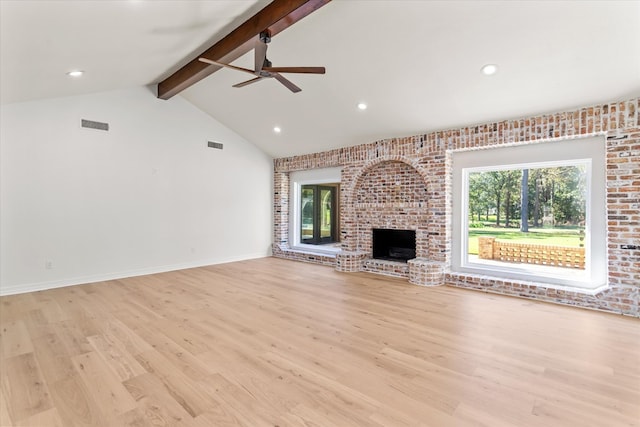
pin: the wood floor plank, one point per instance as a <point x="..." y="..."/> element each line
<point x="270" y="342"/>
<point x="484" y="417"/>
<point x="12" y="307"/>
<point x="560" y="414"/>
<point x="243" y="406"/>
<point x="15" y="339"/>
<point x="185" y="335"/>
<point x="115" y="330"/>
<point x="53" y="357"/>
<point x="183" y="390"/>
<point x="123" y="364"/>
<point x="102" y="384"/>
<point x="37" y="324"/>
<point x="74" y="336"/>
<point x="76" y="406"/>
<point x="50" y="308"/>
<point x="159" y="407"/>
<point x="219" y="416"/>
<point x="5" y="419"/>
<point x="50" y="417"/>
<point x="176" y="355"/>
<point x="134" y="418"/>
<point x="156" y="403"/>
<point x="305" y="416"/>
<point x="24" y="387"/>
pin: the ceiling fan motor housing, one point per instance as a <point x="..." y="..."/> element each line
<point x="265" y="36"/>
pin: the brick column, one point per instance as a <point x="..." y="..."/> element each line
<point x="425" y="272"/>
<point x="350" y="262"/>
<point x="485" y="247"/>
<point x="280" y="208"/>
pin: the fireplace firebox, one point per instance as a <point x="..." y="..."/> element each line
<point x="394" y="245"/>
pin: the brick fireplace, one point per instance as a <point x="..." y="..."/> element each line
<point x="405" y="184"/>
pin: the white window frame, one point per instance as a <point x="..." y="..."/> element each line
<point x="308" y="177"/>
<point x="590" y="152"/>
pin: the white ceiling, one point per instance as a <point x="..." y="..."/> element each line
<point x="416" y="63"/>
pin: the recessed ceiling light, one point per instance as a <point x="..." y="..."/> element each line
<point x="75" y="73"/>
<point x="362" y="106"/>
<point x="277" y="129"/>
<point x="489" y="69"/>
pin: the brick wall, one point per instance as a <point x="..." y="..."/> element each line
<point x="429" y="157"/>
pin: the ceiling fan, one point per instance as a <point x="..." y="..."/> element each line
<point x="263" y="67"/>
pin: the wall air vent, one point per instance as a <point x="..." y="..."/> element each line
<point x="90" y="124"/>
<point x="212" y="144"/>
<point x="617" y="137"/>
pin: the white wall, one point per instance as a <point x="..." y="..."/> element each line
<point x="146" y="196"/>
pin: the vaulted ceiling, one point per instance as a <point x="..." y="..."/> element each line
<point x="415" y="63"/>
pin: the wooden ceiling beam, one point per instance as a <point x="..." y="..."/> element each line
<point x="276" y="16"/>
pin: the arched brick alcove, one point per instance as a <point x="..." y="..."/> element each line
<point x="390" y="194"/>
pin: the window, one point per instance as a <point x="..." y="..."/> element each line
<point x="314" y="210"/>
<point x="533" y="212"/>
<point x="318" y="213"/>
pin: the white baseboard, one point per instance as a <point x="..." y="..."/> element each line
<point x="72" y="281"/>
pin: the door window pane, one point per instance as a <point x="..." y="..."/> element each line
<point x="326" y="212"/>
<point x="306" y="234"/>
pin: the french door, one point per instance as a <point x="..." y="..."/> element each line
<point x="318" y="214"/>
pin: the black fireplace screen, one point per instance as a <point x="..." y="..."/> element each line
<point x="394" y="245"/>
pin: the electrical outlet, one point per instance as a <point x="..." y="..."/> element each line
<point x="48" y="264"/>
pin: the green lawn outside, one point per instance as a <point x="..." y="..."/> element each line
<point x="538" y="236"/>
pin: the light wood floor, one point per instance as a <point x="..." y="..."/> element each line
<point x="272" y="342"/>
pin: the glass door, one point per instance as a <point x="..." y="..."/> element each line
<point x="318" y="214"/>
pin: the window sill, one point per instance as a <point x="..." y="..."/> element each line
<point x="329" y="251"/>
<point x="547" y="277"/>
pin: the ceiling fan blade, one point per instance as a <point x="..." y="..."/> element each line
<point x="303" y="70"/>
<point x="293" y="88"/>
<point x="233" y="67"/>
<point x="260" y="53"/>
<point x="248" y="82"/>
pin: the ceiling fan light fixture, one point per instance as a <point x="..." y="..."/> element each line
<point x="277" y="129"/>
<point x="75" y="73"/>
<point x="489" y="69"/>
<point x="362" y="106"/>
